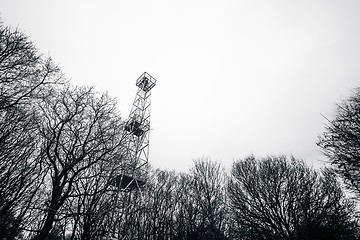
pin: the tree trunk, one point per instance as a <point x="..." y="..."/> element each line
<point x="51" y="213"/>
<point x="45" y="230"/>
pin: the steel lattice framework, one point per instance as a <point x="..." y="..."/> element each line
<point x="132" y="163"/>
<point x="136" y="136"/>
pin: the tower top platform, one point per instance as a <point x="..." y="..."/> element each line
<point x="146" y="82"/>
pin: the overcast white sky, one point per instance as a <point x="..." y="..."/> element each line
<point x="234" y="77"/>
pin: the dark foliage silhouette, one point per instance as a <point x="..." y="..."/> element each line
<point x="80" y="130"/>
<point x="25" y="77"/>
<point x="341" y="141"/>
<point x="276" y="198"/>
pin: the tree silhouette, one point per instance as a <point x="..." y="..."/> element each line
<point x="80" y="129"/>
<point x="273" y="198"/>
<point x="25" y="77"/>
<point x="341" y="141"/>
<point x="208" y="183"/>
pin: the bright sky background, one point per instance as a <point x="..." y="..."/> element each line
<point x="234" y="77"/>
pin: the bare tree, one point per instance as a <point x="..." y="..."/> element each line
<point x="24" y="74"/>
<point x="200" y="199"/>
<point x="209" y="194"/>
<point x="187" y="214"/>
<point x="341" y="141"/>
<point x="274" y="198"/>
<point x="80" y="129"/>
<point x="25" y="77"/>
<point x="20" y="168"/>
<point x="161" y="204"/>
<point x="91" y="201"/>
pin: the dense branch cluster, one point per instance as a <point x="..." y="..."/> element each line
<point x="61" y="148"/>
<point x="341" y="141"/>
<point x="278" y="199"/>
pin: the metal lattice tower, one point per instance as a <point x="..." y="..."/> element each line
<point x="136" y="136"/>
